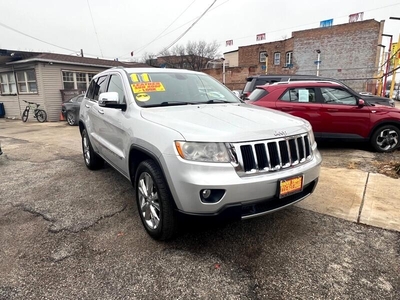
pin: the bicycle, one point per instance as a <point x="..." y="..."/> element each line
<point x="39" y="114"/>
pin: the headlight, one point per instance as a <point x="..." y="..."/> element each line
<point x="205" y="152"/>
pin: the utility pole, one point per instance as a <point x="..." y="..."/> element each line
<point x="396" y="59"/>
<point x="387" y="64"/>
<point x="223" y="70"/>
<point x="318" y="60"/>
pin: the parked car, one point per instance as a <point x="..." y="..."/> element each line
<point x="70" y="109"/>
<point x="191" y="148"/>
<point x="333" y="111"/>
<point x="1" y="152"/>
<point x="253" y="81"/>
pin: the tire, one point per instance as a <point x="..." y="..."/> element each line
<point x="71" y="120"/>
<point x="92" y="160"/>
<point x="41" y="115"/>
<point x="386" y="138"/>
<point x="156" y="210"/>
<point x="25" y="115"/>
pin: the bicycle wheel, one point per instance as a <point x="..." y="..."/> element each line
<point x="41" y="115"/>
<point x="25" y="115"/>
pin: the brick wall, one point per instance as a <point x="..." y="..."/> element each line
<point x="348" y="52"/>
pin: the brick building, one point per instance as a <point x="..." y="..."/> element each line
<point x="348" y="52"/>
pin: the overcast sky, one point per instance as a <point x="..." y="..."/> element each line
<point x="113" y="28"/>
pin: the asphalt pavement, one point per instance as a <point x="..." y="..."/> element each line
<point x="70" y="233"/>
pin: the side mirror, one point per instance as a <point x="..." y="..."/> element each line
<point x="361" y="103"/>
<point x="111" y="100"/>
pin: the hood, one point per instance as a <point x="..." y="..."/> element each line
<point x="225" y="122"/>
<point x="373" y="97"/>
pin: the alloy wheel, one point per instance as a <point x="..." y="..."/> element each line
<point x="148" y="201"/>
<point x="387" y="139"/>
<point x="86" y="149"/>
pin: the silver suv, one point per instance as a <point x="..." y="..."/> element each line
<point x="192" y="148"/>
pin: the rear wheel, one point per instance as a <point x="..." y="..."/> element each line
<point x="71" y="120"/>
<point x="386" y="138"/>
<point x="92" y="160"/>
<point x="154" y="201"/>
<point x="25" y="115"/>
<point x="41" y="115"/>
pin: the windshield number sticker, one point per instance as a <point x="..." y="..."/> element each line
<point x="146" y="87"/>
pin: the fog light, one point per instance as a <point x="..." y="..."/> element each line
<point x="205" y="194"/>
<point x="211" y="196"/>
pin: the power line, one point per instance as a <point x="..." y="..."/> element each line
<point x="144" y="47"/>
<point x="190" y="21"/>
<point x="95" y="31"/>
<point x="187" y="30"/>
<point x="37" y="39"/>
<point x="309" y="24"/>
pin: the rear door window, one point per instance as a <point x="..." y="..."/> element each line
<point x="303" y="95"/>
<point x="257" y="94"/>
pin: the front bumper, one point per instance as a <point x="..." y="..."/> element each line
<point x="243" y="196"/>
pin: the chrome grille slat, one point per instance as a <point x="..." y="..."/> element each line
<point x="272" y="155"/>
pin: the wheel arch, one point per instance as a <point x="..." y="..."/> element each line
<point x="137" y="154"/>
<point x="383" y="123"/>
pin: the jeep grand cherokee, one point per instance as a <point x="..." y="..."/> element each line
<point x="190" y="147"/>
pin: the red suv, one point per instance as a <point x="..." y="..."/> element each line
<point x="333" y="111"/>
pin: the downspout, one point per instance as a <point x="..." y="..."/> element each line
<point x="16" y="86"/>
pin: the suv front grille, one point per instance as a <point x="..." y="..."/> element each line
<point x="272" y="155"/>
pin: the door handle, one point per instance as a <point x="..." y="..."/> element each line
<point x="100" y="111"/>
<point x="286" y="108"/>
<point x="87" y="106"/>
<point x="332" y="109"/>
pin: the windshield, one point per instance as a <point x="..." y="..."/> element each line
<point x="164" y="89"/>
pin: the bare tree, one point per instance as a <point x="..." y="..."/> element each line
<point x="194" y="56"/>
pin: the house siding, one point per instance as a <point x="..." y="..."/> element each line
<point x="14" y="105"/>
<point x="53" y="84"/>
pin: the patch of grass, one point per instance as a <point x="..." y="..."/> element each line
<point x="353" y="165"/>
<point x="388" y="168"/>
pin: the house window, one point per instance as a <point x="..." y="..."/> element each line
<point x="68" y="80"/>
<point x="8" y="85"/>
<point x="277" y="58"/>
<point x="81" y="81"/>
<point x="289" y="59"/>
<point x="263" y="56"/>
<point x="76" y="80"/>
<point x="26" y="82"/>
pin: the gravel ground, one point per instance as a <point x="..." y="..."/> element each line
<point x="69" y="233"/>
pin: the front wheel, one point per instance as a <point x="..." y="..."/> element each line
<point x="154" y="201"/>
<point x="386" y="138"/>
<point x="41" y="115"/>
<point x="25" y="115"/>
<point x="92" y="160"/>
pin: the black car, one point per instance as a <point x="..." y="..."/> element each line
<point x="253" y="81"/>
<point x="1" y="152"/>
<point x="70" y="109"/>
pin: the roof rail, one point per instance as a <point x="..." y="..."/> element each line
<point x="305" y="81"/>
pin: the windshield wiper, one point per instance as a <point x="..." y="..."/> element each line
<point x="217" y="101"/>
<point x="169" y="103"/>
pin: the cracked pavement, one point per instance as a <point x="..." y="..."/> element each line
<point x="70" y="233"/>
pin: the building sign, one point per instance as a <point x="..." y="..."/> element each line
<point x="260" y="37"/>
<point x="229" y="43"/>
<point x="356" y="17"/>
<point x="394" y="53"/>
<point x="326" y="23"/>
